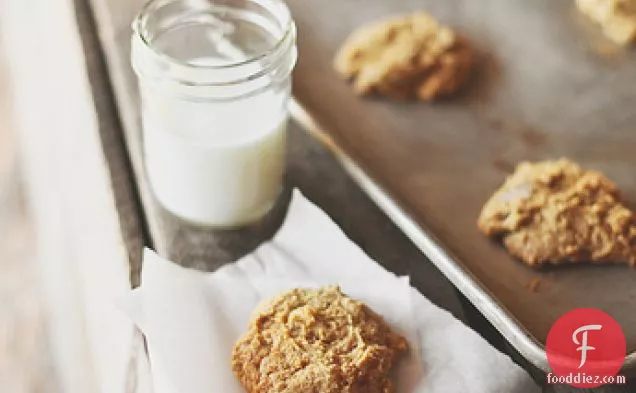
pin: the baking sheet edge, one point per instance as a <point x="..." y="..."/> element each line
<point x="479" y="296"/>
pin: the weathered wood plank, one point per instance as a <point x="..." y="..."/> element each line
<point x="86" y="223"/>
<point x="117" y="160"/>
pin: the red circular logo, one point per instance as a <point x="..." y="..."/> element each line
<point x="585" y="348"/>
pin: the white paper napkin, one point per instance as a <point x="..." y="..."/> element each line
<point x="192" y="319"/>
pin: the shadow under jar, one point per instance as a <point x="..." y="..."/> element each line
<point x="214" y="78"/>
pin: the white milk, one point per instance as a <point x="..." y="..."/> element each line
<point x="216" y="164"/>
<point x="214" y="105"/>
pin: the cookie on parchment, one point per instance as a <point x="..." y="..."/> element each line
<point x="316" y="340"/>
<point x="556" y="212"/>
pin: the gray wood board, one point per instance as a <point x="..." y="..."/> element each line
<point x="123" y="185"/>
<point x="548" y="85"/>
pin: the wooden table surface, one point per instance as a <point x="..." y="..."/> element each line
<point x="105" y="32"/>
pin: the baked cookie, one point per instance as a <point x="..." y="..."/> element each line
<point x="316" y="340"/>
<point x="616" y="17"/>
<point x="406" y="57"/>
<point x="557" y="212"/>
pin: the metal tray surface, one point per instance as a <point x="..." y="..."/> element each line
<point x="548" y="85"/>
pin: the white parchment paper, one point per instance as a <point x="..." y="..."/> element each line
<point x="192" y="319"/>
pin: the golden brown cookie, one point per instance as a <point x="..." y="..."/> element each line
<point x="616" y="17"/>
<point x="316" y="340"/>
<point x="406" y="57"/>
<point x="557" y="212"/>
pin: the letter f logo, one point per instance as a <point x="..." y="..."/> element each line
<point x="584" y="347"/>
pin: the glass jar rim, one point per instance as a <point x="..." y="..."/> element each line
<point x="288" y="29"/>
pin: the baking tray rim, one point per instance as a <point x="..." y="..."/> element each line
<point x="518" y="336"/>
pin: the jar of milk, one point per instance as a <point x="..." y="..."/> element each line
<point x="214" y="78"/>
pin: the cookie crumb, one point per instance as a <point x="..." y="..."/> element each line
<point x="406" y="57"/>
<point x="533" y="285"/>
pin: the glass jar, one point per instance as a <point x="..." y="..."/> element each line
<point x="214" y="79"/>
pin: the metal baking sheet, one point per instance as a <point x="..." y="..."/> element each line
<point x="548" y="85"/>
